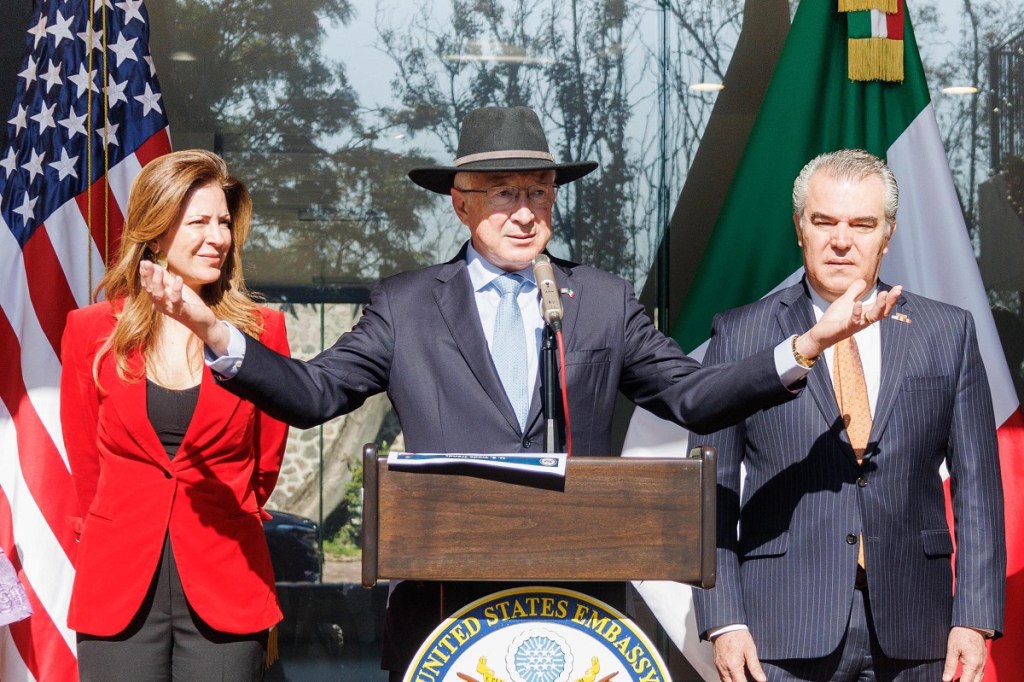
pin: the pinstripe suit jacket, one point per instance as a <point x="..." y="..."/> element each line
<point x="788" y="570"/>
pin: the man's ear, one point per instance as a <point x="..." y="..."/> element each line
<point x="799" y="234"/>
<point x="459" y="204"/>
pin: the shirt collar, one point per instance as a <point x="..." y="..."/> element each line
<point x="482" y="272"/>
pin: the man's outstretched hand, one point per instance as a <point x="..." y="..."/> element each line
<point x="845" y="317"/>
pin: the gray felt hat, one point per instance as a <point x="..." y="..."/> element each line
<point x="500" y="139"/>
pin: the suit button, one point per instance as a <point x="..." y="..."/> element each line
<point x="527" y="443"/>
<point x="851" y="539"/>
<point x="862" y="481"/>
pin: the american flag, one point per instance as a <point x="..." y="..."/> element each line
<point x="87" y="116"/>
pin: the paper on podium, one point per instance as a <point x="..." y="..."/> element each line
<point x="547" y="464"/>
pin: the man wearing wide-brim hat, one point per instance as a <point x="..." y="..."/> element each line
<point x="455" y="345"/>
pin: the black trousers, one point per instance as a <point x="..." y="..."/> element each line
<point x="166" y="641"/>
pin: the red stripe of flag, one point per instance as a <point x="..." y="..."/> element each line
<point x="47" y="286"/>
<point x="38" y="639"/>
<point x="96" y="207"/>
<point x="42" y="466"/>
<point x="894" y="22"/>
<point x="158" y="144"/>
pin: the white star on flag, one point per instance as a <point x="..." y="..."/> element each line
<point x="45" y="118"/>
<point x="97" y="38"/>
<point x="19" y="121"/>
<point x="131" y="10"/>
<point x="10" y="162"/>
<point x="115" y="92"/>
<point x="35" y="165"/>
<point x="124" y="48"/>
<point x="75" y="124"/>
<point x="150" y="100"/>
<point x="52" y="75"/>
<point x="29" y="74"/>
<point x="60" y="28"/>
<point x="66" y="165"/>
<point x="110" y="134"/>
<point x="27" y="210"/>
<point x="39" y="31"/>
<point x="83" y="80"/>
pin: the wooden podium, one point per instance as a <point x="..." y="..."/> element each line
<point x="614" y="518"/>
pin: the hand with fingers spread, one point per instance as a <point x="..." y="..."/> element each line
<point x="846" y="316"/>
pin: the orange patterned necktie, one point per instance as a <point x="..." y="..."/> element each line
<point x="852" y="398"/>
<point x="852" y="394"/>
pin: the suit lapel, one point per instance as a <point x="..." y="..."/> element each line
<point x="796" y="316"/>
<point x="895" y="336"/>
<point x="214" y="412"/>
<point x="130" y="402"/>
<point x="454" y="296"/>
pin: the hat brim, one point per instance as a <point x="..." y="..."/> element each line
<point x="440" y="178"/>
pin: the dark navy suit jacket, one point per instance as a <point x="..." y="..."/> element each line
<point x="788" y="573"/>
<point x="421" y="340"/>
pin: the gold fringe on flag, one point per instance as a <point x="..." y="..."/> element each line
<point x="875" y="59"/>
<point x="887" y="6"/>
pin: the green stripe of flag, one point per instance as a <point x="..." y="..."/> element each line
<point x="859" y="24"/>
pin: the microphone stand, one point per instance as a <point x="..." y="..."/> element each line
<point x="548" y="386"/>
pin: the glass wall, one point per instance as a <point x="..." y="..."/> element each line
<point x="322" y="106"/>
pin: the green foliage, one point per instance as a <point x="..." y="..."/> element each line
<point x="348" y="541"/>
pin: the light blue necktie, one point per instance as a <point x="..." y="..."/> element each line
<point x="508" y="347"/>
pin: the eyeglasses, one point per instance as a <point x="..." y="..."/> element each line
<point x="507" y="197"/>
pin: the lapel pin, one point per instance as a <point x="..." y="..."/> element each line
<point x="900" y="317"/>
<point x="567" y="292"/>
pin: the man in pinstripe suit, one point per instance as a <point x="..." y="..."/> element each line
<point x="835" y="562"/>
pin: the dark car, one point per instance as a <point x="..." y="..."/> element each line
<point x="294" y="543"/>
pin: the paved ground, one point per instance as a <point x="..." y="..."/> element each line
<point x="342" y="570"/>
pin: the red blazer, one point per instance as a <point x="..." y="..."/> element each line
<point x="209" y="498"/>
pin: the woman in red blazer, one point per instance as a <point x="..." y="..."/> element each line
<point x="172" y="472"/>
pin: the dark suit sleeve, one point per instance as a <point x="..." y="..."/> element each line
<point x="723" y="605"/>
<point x="659" y="377"/>
<point x="337" y="381"/>
<point x="977" y="496"/>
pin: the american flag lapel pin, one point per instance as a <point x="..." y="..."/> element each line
<point x="900" y="317"/>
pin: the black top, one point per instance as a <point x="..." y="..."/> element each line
<point x="170" y="411"/>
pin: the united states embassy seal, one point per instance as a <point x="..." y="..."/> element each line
<point x="537" y="634"/>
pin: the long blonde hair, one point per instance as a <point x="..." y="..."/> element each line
<point x="155" y="205"/>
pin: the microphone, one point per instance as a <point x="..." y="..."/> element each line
<point x="550" y="303"/>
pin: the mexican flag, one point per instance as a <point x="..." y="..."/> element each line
<point x="813" y="105"/>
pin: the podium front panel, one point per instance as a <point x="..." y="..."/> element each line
<point x="614" y="519"/>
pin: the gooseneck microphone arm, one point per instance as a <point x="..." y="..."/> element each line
<point x="551" y="311"/>
<point x="548" y="384"/>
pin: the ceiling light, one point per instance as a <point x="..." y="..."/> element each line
<point x="182" y="56"/>
<point x="705" y="87"/>
<point x="960" y="90"/>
